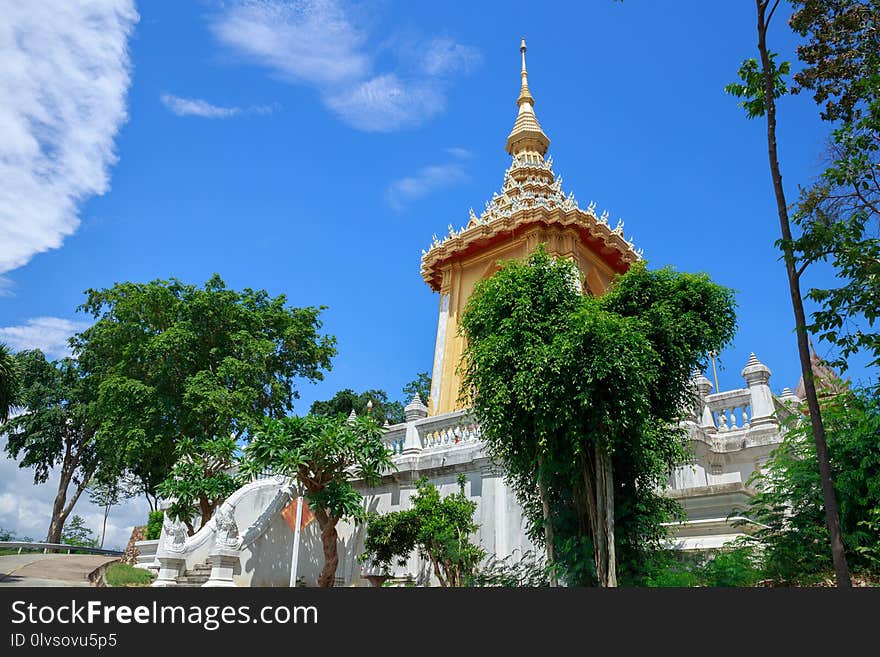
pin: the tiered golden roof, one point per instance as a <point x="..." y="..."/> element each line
<point x="531" y="194"/>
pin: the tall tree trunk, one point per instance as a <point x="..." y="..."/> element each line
<point x="548" y="523"/>
<point x="104" y="528"/>
<point x="832" y="517"/>
<point x="605" y="507"/>
<point x="599" y="492"/>
<point x="328" y="542"/>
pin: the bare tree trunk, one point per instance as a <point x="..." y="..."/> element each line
<point x="548" y="523"/>
<point x="605" y="508"/>
<point x="832" y="516"/>
<point x="104" y="528"/>
<point x="328" y="542"/>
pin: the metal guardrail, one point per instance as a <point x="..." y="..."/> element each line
<point x="45" y="547"/>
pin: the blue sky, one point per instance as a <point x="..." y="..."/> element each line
<point x="312" y="149"/>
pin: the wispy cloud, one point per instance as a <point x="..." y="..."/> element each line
<point x="48" y="334"/>
<point x="64" y="77"/>
<point x="425" y="181"/>
<point x="443" y="56"/>
<point x="198" y="107"/>
<point x="315" y="42"/>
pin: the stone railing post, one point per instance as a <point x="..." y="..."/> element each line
<point x="705" y="420"/>
<point x="757" y="376"/>
<point x="415" y="410"/>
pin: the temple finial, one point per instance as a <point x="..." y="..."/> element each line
<point x="527" y="134"/>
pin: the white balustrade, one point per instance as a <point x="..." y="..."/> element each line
<point x="731" y="409"/>
<point x="447" y="430"/>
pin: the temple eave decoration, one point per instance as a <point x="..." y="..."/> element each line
<point x="531" y="195"/>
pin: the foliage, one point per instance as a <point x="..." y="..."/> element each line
<point x="202" y="472"/>
<point x="10" y="381"/>
<point x="751" y="90"/>
<point x="154" y="525"/>
<point x="761" y="91"/>
<point x="557" y="377"/>
<point x="529" y="571"/>
<point x="438" y="527"/>
<point x="123" y="574"/>
<point x="839" y="213"/>
<point x="76" y="533"/>
<point x="347" y="400"/>
<point x="731" y="566"/>
<point x="789" y="502"/>
<point x="383" y="409"/>
<point x="322" y="453"/>
<point x="421" y="385"/>
<point x="57" y="428"/>
<point x="185" y="368"/>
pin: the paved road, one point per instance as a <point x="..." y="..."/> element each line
<point x="49" y="569"/>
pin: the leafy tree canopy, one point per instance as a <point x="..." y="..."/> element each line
<point x="323" y="454"/>
<point x="184" y="369"/>
<point x="439" y="527"/>
<point x="578" y="395"/>
<point x="58" y="429"/>
<point x="789" y="503"/>
<point x="10" y="381"/>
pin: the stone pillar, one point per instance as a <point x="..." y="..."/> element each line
<point x="705" y="419"/>
<point x="757" y="376"/>
<point x="171" y="566"/>
<point x="415" y="410"/>
<point x="223" y="562"/>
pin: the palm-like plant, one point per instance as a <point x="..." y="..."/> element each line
<point x="10" y="381"/>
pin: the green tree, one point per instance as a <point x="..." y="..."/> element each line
<point x="10" y="381"/>
<point x="105" y="493"/>
<point x="56" y="429"/>
<point x="762" y="83"/>
<point x="839" y="213"/>
<point x="76" y="533"/>
<point x="579" y="400"/>
<point x="421" y="385"/>
<point x="185" y="370"/>
<point x="347" y="400"/>
<point x="439" y="528"/>
<point x="323" y="454"/>
<point x="789" y="502"/>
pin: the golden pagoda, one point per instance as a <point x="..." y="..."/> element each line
<point x="531" y="209"/>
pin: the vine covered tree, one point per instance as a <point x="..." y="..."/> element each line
<point x="323" y="454"/>
<point x="579" y="400"/>
<point x="186" y="370"/>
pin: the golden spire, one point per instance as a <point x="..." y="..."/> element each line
<point x="526" y="134"/>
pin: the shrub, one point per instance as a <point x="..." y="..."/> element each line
<point x="154" y="525"/>
<point x="122" y="574"/>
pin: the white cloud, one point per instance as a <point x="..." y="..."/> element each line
<point x="198" y="107"/>
<point x="307" y="40"/>
<point x="428" y="179"/>
<point x="48" y="334"/>
<point x="64" y="76"/>
<point x="385" y="104"/>
<point x="459" y="152"/>
<point x="443" y="56"/>
<point x="26" y="508"/>
<point x="315" y="42"/>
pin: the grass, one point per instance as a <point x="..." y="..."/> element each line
<point x="121" y="574"/>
